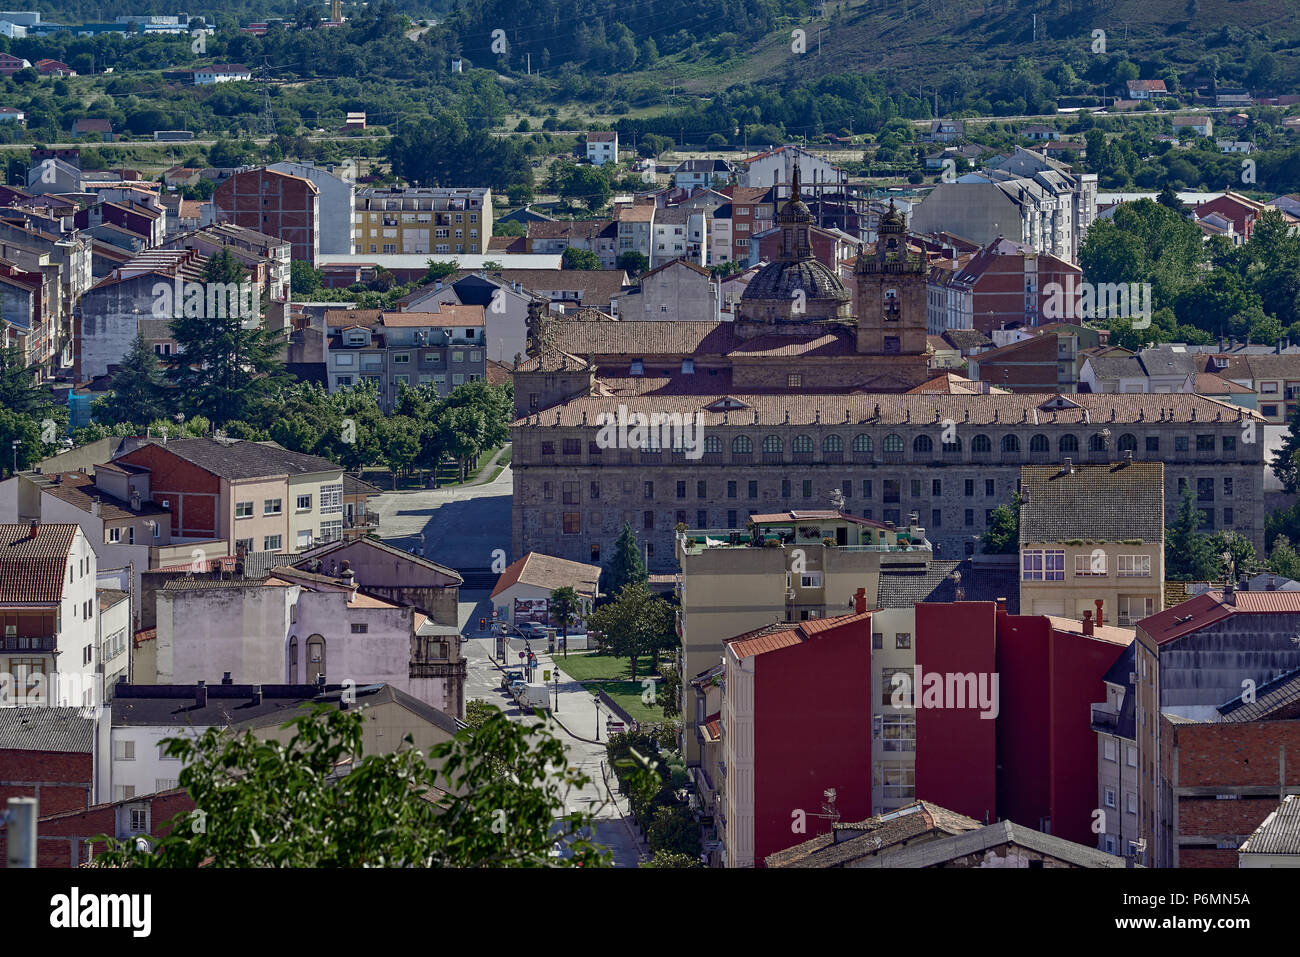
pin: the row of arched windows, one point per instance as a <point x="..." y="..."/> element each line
<point x="893" y="442"/>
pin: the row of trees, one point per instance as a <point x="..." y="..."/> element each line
<point x="1200" y="291"/>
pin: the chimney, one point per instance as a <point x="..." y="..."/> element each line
<point x="1229" y="594"/>
<point x="1069" y="465"/>
<point x="1278" y="349"/>
<point x="1101" y="618"/>
<point x="201" y="694"/>
<point x="1128" y="457"/>
<point x="225" y="679"/>
<point x="1002" y="606"/>
<point x="35" y="527"/>
<point x="1087" y="623"/>
<point x="257" y="694"/>
<point x="860" y="601"/>
<point x="1272" y="583"/>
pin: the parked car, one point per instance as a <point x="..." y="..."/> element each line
<point x="510" y="676"/>
<point x="517" y="687"/>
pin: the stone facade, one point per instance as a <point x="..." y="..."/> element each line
<point x="571" y="497"/>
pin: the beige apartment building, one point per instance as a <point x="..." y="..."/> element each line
<point x="435" y="220"/>
<point x="730" y="584"/>
<point x="1089" y="534"/>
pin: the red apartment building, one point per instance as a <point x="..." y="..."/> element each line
<point x="1031" y="365"/>
<point x="1241" y="210"/>
<point x="278" y="204"/>
<point x="45" y="753"/>
<point x="1035" y="763"/>
<point x="794" y="724"/>
<point x="1005" y="283"/>
<point x="64" y="840"/>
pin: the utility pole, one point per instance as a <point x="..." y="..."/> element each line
<point x="21" y="824"/>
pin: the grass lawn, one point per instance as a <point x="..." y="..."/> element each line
<point x="612" y="675"/>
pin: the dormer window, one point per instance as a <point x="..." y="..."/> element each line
<point x="1221" y="362"/>
<point x="638" y="367"/>
<point x="688" y="366"/>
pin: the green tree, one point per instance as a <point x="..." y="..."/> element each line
<point x="635" y="623"/>
<point x="23" y="429"/>
<point x="401" y="809"/>
<point x="625" y="565"/>
<point x="1286" y="464"/>
<point x="303" y="279"/>
<point x="1284" y="559"/>
<point x="1188" y="555"/>
<point x="1241" y="552"/>
<point x="673" y="860"/>
<point x="673" y="829"/>
<point x="222" y="366"/>
<point x="574" y="258"/>
<point x="633" y="263"/>
<point x="138" y="392"/>
<point x="19" y="391"/>
<point x="565" y="605"/>
<point x="586" y="183"/>
<point x="1003" y="534"/>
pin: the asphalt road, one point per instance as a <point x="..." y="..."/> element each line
<point x="577" y="712"/>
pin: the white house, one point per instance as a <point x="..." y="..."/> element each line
<point x="1201" y="125"/>
<point x="602" y="148"/>
<point x="293" y="626"/>
<point x="50" y="615"/>
<point x="677" y="290"/>
<point x="221" y="73"/>
<point x="113" y="632"/>
<point x="523" y="591"/>
<point x="10" y="114"/>
<point x="1235" y="146"/>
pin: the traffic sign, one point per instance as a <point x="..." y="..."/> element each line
<point x="521" y="655"/>
<point x="546" y="676"/>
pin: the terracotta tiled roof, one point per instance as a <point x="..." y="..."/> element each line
<point x="552" y="360"/>
<point x="34" y="570"/>
<point x="780" y="635"/>
<point x="881" y="409"/>
<point x="79" y="490"/>
<point x="547" y="571"/>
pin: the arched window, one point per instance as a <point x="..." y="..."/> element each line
<point x="293" y="660"/>
<point x="893" y="442"/>
<point x="802" y="443"/>
<point x="1096" y="442"/>
<point x="1010" y="443"/>
<point x="1128" y="442"/>
<point x="712" y="443"/>
<point x="833" y="443"/>
<point x="922" y="443"/>
<point x="981" y="443"/>
<point x="772" y="443"/>
<point x="954" y="445"/>
<point x="742" y="444"/>
<point x="1068" y="443"/>
<point x="1040" y="443"/>
<point x="315" y="657"/>
<point x="862" y="443"/>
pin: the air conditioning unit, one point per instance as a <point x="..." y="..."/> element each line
<point x="789" y="594"/>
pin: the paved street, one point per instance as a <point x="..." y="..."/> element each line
<point x="462" y="526"/>
<point x="576" y="709"/>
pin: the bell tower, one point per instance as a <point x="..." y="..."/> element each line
<point x="891" y="293"/>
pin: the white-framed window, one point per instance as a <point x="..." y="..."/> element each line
<point x="303" y="503"/>
<point x="810" y="580"/>
<point x="1130" y="802"/>
<point x="123" y="750"/>
<point x="1132" y="756"/>
<point x="1108" y="749"/>
<point x="246" y="543"/>
<point x="272" y="506"/>
<point x="1134" y="566"/>
<point x="457" y="379"/>
<point x="899" y="731"/>
<point x="114" y="536"/>
<point x="331" y="499"/>
<point x="360" y="629"/>
<point x="401" y="358"/>
<point x="271" y="543"/>
<point x="1043" y="564"/>
<point x="123" y="792"/>
<point x="1109" y="799"/>
<point x="163" y="755"/>
<point x="164" y="784"/>
<point x="1092" y="564"/>
<point x="1133" y="608"/>
<point x="138" y="816"/>
<point x="304" y="538"/>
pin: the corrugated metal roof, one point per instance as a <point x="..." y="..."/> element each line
<point x="1280" y="832"/>
<point x="69" y="730"/>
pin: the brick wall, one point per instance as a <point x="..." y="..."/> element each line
<point x="59" y="780"/>
<point x="1241" y="763"/>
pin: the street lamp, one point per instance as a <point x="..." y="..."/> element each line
<point x="16" y="443"/>
<point x="596" y="701"/>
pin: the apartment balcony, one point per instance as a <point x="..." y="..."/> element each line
<point x="362" y="518"/>
<point x="44" y="644"/>
<point x="439" y="669"/>
<point x="1107" y="722"/>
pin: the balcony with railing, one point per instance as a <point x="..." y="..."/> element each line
<point x="43" y="644"/>
<point x="1104" y="720"/>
